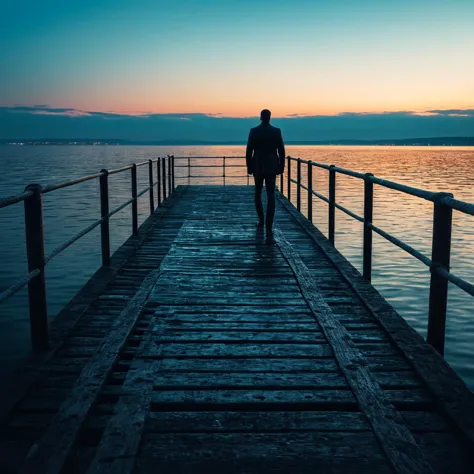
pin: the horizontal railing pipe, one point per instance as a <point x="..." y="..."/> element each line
<point x="320" y="196"/>
<point x="53" y="187"/>
<point x="119" y="170"/>
<point x="9" y="200"/>
<point x="461" y="206"/>
<point x="348" y="212"/>
<point x="354" y="174"/>
<point x="428" y="195"/>
<point x="409" y="249"/>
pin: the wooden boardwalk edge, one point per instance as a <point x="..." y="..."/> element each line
<point x="49" y="454"/>
<point x="387" y="424"/>
<point x="452" y="395"/>
<point x="17" y="383"/>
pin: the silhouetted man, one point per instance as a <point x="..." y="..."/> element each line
<point x="265" y="160"/>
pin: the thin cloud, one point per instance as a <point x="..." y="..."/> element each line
<point x="453" y="112"/>
<point x="30" y="122"/>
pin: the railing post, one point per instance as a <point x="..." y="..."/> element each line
<point x="38" y="306"/>
<point x="223" y="168"/>
<point x="368" y="216"/>
<point x="135" y="200"/>
<point x="172" y="172"/>
<point x="440" y="256"/>
<point x="158" y="179"/>
<point x="310" y="191"/>
<point x="170" y="190"/>
<point x="104" y="210"/>
<point x="150" y="183"/>
<point x="189" y="170"/>
<point x="298" y="186"/>
<point x="163" y="162"/>
<point x="289" y="178"/>
<point x="332" y="201"/>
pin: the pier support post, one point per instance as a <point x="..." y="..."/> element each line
<point x="298" y="186"/>
<point x="135" y="200"/>
<point x="104" y="210"/>
<point x="163" y="162"/>
<point x="440" y="256"/>
<point x="150" y="181"/>
<point x="158" y="179"/>
<point x="310" y="191"/>
<point x="332" y="202"/>
<point x="36" y="260"/>
<point x="289" y="178"/>
<point x="368" y="216"/>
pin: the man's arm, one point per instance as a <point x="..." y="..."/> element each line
<point x="249" y="152"/>
<point x="281" y="153"/>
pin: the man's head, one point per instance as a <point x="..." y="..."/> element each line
<point x="265" y="115"/>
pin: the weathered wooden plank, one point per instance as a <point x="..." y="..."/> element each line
<point x="49" y="454"/>
<point x="244" y="452"/>
<point x="121" y="439"/>
<point x="194" y="350"/>
<point x="278" y="421"/>
<point x="254" y="337"/>
<point x="271" y="381"/>
<point x="254" y="327"/>
<point x="395" y="438"/>
<point x="276" y="365"/>
<point x="232" y="309"/>
<point x="197" y="350"/>
<point x="298" y="321"/>
<point x="164" y="299"/>
<point x="269" y="399"/>
<point x="446" y="452"/>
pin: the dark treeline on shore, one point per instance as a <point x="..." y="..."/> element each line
<point x="434" y="141"/>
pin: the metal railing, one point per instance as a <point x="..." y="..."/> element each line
<point x="439" y="263"/>
<point x="37" y="260"/>
<point x="189" y="166"/>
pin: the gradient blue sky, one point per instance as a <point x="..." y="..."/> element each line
<point x="234" y="57"/>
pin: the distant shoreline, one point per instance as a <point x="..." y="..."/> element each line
<point x="433" y="141"/>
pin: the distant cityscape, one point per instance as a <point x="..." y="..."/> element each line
<point x="433" y="141"/>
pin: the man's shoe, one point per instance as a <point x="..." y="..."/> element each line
<point x="270" y="240"/>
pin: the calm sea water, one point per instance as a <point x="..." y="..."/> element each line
<point x="403" y="280"/>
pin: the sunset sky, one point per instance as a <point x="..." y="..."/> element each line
<point x="234" y="57"/>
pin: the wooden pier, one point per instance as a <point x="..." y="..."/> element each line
<point x="201" y="349"/>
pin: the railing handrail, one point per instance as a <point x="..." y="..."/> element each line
<point x="461" y="206"/>
<point x="9" y="200"/>
<point x="444" y="204"/>
<point x="37" y="261"/>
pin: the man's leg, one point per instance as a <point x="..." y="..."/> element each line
<point x="258" y="198"/>
<point x="270" y="187"/>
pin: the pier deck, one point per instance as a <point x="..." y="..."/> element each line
<point x="205" y="350"/>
